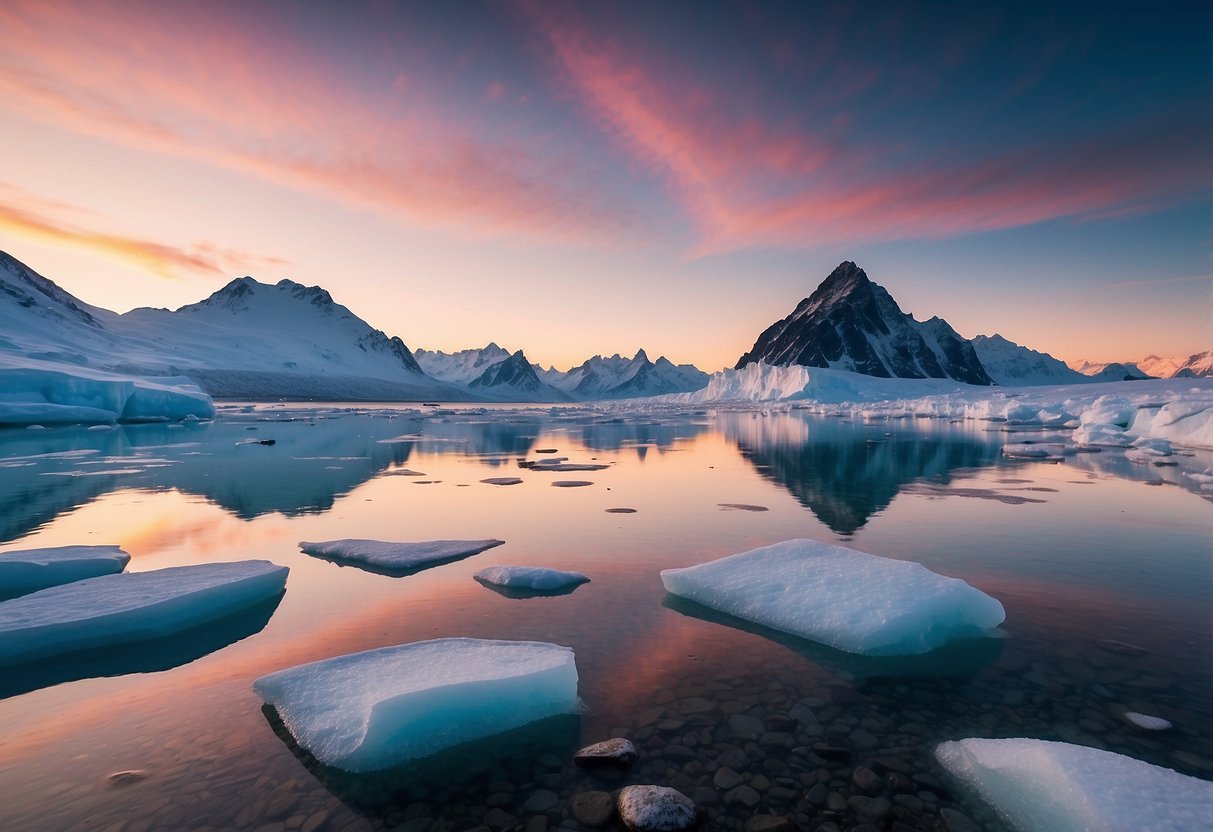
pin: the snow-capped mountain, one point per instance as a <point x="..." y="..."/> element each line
<point x="515" y="378"/>
<point x="460" y="367"/>
<point x="1109" y="370"/>
<point x="248" y="339"/>
<point x="1197" y="365"/>
<point x="616" y="377"/>
<point x="1011" y="365"/>
<point x="851" y="323"/>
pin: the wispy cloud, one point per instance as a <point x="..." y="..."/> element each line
<point x="748" y="180"/>
<point x="194" y="83"/>
<point x="156" y="258"/>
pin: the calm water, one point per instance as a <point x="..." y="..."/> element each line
<point x="1085" y="555"/>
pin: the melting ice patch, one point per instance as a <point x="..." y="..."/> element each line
<point x="27" y="570"/>
<point x="128" y="607"/>
<point x="538" y="578"/>
<point x="1037" y="784"/>
<point x="376" y="709"/>
<point x="846" y="599"/>
<point x="396" y="558"/>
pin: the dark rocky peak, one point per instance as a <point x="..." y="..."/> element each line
<point x="314" y="295"/>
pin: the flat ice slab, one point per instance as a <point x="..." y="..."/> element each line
<point x="537" y="578"/>
<point x="132" y="606"/>
<point x="1036" y="784"/>
<point x="846" y="599"/>
<point x="373" y="710"/>
<point x="396" y="558"/>
<point x="27" y="570"/>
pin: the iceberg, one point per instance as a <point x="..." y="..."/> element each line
<point x="48" y="393"/>
<point x="396" y="559"/>
<point x="537" y="578"/>
<point x="376" y="709"/>
<point x="28" y="570"/>
<point x="1037" y="784"/>
<point x="129" y="607"/>
<point x="840" y="597"/>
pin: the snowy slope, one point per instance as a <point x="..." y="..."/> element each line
<point x="1109" y="370"/>
<point x="1010" y="364"/>
<point x="850" y="323"/>
<point x="248" y="339"/>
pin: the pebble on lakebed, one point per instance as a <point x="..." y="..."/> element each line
<point x="616" y="752"/>
<point x="655" y="809"/>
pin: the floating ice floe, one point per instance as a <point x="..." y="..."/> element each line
<point x="128" y="607"/>
<point x="45" y="392"/>
<point x="846" y="599"/>
<point x="536" y="578"/>
<point x="396" y="558"/>
<point x="376" y="709"/>
<point x="502" y="481"/>
<point x="28" y="570"/>
<point x="1039" y="785"/>
<point x="1048" y="451"/>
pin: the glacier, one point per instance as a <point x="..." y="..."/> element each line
<point x="36" y="392"/>
<point x="379" y="708"/>
<point x="538" y="578"/>
<point x="1113" y="413"/>
<point x="28" y="570"/>
<point x="136" y="606"/>
<point x="1038" y="784"/>
<point x="840" y="597"/>
<point x="393" y="558"/>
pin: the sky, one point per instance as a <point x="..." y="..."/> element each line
<point x="574" y="179"/>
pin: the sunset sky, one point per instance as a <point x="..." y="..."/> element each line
<point x="580" y="178"/>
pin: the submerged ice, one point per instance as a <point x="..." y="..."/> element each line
<point x="135" y="606"/>
<point x="373" y="710"/>
<point x="840" y="597"/>
<point x="1038" y="784"/>
<point x="27" y="570"/>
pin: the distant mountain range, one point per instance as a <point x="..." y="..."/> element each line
<point x="255" y="340"/>
<point x="492" y="368"/>
<point x="851" y="323"/>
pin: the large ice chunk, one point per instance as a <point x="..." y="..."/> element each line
<point x="538" y="578"/>
<point x="132" y="606"/>
<point x="1037" y="784"/>
<point x="45" y="392"/>
<point x="846" y="599"/>
<point x="396" y="558"/>
<point x="373" y="710"/>
<point x="27" y="570"/>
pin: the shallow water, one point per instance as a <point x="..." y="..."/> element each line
<point x="1087" y="556"/>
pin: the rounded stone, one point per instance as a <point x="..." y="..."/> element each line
<point x="616" y="751"/>
<point x="592" y="808"/>
<point x="655" y="809"/>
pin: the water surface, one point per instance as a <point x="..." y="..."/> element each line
<point x="1104" y="567"/>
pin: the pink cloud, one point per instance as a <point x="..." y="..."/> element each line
<point x="157" y="258"/>
<point x="192" y="83"/>
<point x="748" y="180"/>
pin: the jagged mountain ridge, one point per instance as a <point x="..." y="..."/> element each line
<point x="851" y="323"/>
<point x="492" y="368"/>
